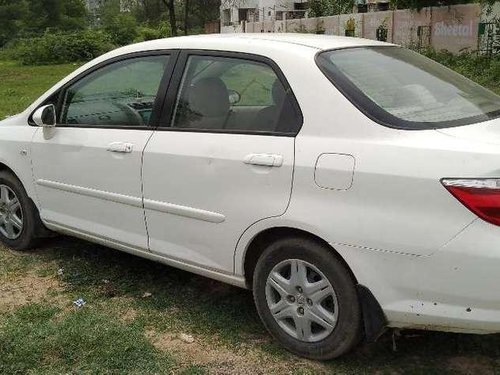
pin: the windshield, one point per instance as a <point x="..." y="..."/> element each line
<point x="403" y="89"/>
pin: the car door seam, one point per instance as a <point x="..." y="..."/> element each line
<point x="269" y="217"/>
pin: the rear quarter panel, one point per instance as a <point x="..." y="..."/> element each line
<point x="396" y="202"/>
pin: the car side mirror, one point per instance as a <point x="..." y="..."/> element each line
<point x="45" y="116"/>
<point x="234" y="97"/>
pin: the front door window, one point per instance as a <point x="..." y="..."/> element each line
<point x="120" y="94"/>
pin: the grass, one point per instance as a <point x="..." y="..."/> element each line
<point x="21" y="85"/>
<point x="35" y="339"/>
<point x="136" y="310"/>
<point x="122" y="329"/>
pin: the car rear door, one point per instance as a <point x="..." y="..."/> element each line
<point x="87" y="169"/>
<point x="214" y="168"/>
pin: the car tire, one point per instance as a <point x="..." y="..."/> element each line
<point x="20" y="224"/>
<point x="327" y="292"/>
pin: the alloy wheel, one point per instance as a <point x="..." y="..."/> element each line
<point x="11" y="214"/>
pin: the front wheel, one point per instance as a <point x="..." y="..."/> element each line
<point x="307" y="299"/>
<point x="20" y="223"/>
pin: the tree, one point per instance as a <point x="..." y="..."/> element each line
<point x="34" y="17"/>
<point x="11" y="13"/>
<point x="321" y="8"/>
<point x="65" y="15"/>
<point x="73" y="15"/>
<point x="170" y="4"/>
<point x="192" y="15"/>
<point x="186" y="17"/>
<point x="203" y="11"/>
<point x="150" y="12"/>
<point x="121" y="26"/>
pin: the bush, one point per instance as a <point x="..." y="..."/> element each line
<point x="149" y="33"/>
<point x="479" y="68"/>
<point x="122" y="28"/>
<point x="57" y="48"/>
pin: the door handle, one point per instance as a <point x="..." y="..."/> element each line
<point x="121" y="147"/>
<point x="266" y="160"/>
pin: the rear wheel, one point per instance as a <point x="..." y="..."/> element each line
<point x="307" y="299"/>
<point x="20" y="223"/>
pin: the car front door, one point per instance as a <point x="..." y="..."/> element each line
<point x="87" y="169"/>
<point x="222" y="158"/>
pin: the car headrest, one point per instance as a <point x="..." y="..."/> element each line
<point x="209" y="97"/>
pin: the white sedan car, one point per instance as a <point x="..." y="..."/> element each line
<point x="352" y="185"/>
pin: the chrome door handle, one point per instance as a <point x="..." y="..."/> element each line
<point x="124" y="148"/>
<point x="266" y="160"/>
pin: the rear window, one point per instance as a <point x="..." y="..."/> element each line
<point x="402" y="89"/>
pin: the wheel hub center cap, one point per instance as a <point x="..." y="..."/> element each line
<point x="301" y="300"/>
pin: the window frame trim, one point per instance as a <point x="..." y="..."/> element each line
<point x="376" y="113"/>
<point x="157" y="106"/>
<point x="167" y="115"/>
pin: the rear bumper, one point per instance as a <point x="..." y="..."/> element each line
<point x="457" y="289"/>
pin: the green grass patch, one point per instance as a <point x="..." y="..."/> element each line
<point x="21" y="85"/>
<point x="35" y="339"/>
<point x="179" y="302"/>
<point x="104" y="337"/>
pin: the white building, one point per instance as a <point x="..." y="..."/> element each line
<point x="236" y="12"/>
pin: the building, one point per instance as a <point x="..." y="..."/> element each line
<point x="234" y="13"/>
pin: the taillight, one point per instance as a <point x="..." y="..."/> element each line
<point x="481" y="196"/>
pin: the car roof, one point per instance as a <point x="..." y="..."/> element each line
<point x="307" y="40"/>
<point x="242" y="41"/>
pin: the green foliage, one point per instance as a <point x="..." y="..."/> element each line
<point x="322" y="8"/>
<point x="29" y="18"/>
<point x="57" y="48"/>
<point x="350" y="24"/>
<point x="481" y="69"/>
<point x="73" y="15"/>
<point x="150" y="12"/>
<point x="150" y="33"/>
<point x="419" y="4"/>
<point x="122" y="28"/>
<point x="21" y="19"/>
<point x="55" y="15"/>
<point x="201" y="12"/>
<point x="28" y="21"/>
<point x="11" y="15"/>
<point x="33" y="339"/>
